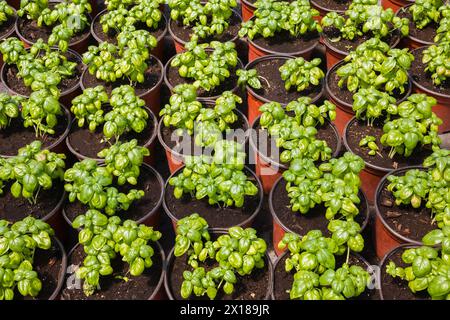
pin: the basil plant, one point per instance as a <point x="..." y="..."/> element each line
<point x="6" y="12"/>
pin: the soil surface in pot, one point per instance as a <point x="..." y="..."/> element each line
<point x="15" y="209"/>
<point x="396" y="288"/>
<point x="15" y="82"/>
<point x="147" y="181"/>
<point x="409" y="222"/>
<point x="178" y="141"/>
<point x="184" y="32"/>
<point x="343" y="94"/>
<point x="111" y="36"/>
<point x="89" y="144"/>
<point x="217" y="217"/>
<point x="7" y="26"/>
<point x="112" y="288"/>
<point x="273" y="89"/>
<point x="284" y="43"/>
<point x="283" y="280"/>
<point x="228" y="84"/>
<point x="314" y="219"/>
<point x="47" y="264"/>
<point x="15" y="136"/>
<point x="151" y="78"/>
<point x="32" y="32"/>
<point x="333" y="5"/>
<point x="357" y="130"/>
<point x="264" y="141"/>
<point x="418" y="73"/>
<point x="332" y="33"/>
<point x="426" y="34"/>
<point x="250" y="287"/>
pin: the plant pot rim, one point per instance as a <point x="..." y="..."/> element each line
<point x="63" y="93"/>
<point x="171" y="257"/>
<point x="349" y="107"/>
<point x="324" y="9"/>
<point x="165" y="72"/>
<point x="146" y="216"/>
<point x="81" y="156"/>
<point x="251" y="64"/>
<point x="63" y="136"/>
<point x="13" y="26"/>
<point x="154" y="88"/>
<point x="163" y="267"/>
<point x="179" y="155"/>
<point x="384" y="261"/>
<point x="273" y="52"/>
<point x="282" y="165"/>
<point x="249" y="4"/>
<point x="377" y="208"/>
<point x="63" y="270"/>
<point x="281" y="257"/>
<point x="182" y="42"/>
<point x="422" y="42"/>
<point x="71" y="44"/>
<point x="421" y="87"/>
<point x="174" y="219"/>
<point x="98" y="15"/>
<point x="361" y="194"/>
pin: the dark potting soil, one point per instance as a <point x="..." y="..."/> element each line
<point x="333" y="5"/>
<point x="217" y="217"/>
<point x="396" y="288"/>
<point x="32" y="32"/>
<point x="184" y="32"/>
<point x="177" y="143"/>
<point x="151" y="77"/>
<point x="15" y="209"/>
<point x="147" y="181"/>
<point x="15" y="82"/>
<point x="418" y="73"/>
<point x="89" y="144"/>
<point x="343" y="94"/>
<point x="228" y="84"/>
<point x="357" y="130"/>
<point x="332" y="33"/>
<point x="314" y="219"/>
<point x="409" y="222"/>
<point x="264" y="141"/>
<point x="250" y="287"/>
<point x="15" y="136"/>
<point x="112" y="287"/>
<point x="426" y="34"/>
<point x="253" y="1"/>
<point x="272" y="86"/>
<point x="7" y="26"/>
<point x="284" y="43"/>
<point x="283" y="280"/>
<point x="111" y="36"/>
<point x="48" y="265"/>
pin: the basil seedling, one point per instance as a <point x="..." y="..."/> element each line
<point x="301" y="74"/>
<point x="370" y="142"/>
<point x="6" y="12"/>
<point x="370" y="104"/>
<point x="9" y="108"/>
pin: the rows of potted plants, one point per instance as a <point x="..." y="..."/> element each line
<point x="108" y="199"/>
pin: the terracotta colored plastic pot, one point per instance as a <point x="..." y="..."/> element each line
<point x="150" y="144"/>
<point x="410" y="41"/>
<point x="269" y="170"/>
<point x="159" y="293"/>
<point x="180" y="43"/>
<point x="80" y="46"/>
<point x="158" y="51"/>
<point x="324" y="10"/>
<point x="212" y="231"/>
<point x="254" y="100"/>
<point x="279" y="229"/>
<point x="442" y="108"/>
<point x="344" y="110"/>
<point x="175" y="159"/>
<point x="394" y="4"/>
<point x="244" y="224"/>
<point x="66" y="96"/>
<point x="151" y="96"/>
<point x="387" y="238"/>
<point x="248" y="9"/>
